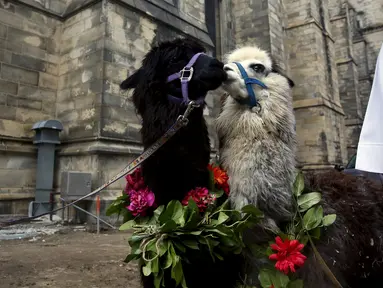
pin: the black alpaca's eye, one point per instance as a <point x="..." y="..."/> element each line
<point x="258" y="68"/>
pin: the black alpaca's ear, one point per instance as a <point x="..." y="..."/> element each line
<point x="276" y="69"/>
<point x="132" y="81"/>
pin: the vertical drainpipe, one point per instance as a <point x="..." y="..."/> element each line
<point x="46" y="138"/>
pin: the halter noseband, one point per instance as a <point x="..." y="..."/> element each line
<point x="252" y="101"/>
<point x="185" y="75"/>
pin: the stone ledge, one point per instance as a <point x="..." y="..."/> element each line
<point x="339" y="17"/>
<point x="99" y="147"/>
<point x="14" y="145"/>
<point x="353" y="122"/>
<point x="16" y="194"/>
<point x="372" y="29"/>
<point x="301" y="23"/>
<point x="315" y="102"/>
<point x="346" y="61"/>
<point x="365" y="78"/>
<point x="316" y="167"/>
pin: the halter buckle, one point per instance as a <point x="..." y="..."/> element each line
<point x="186" y="70"/>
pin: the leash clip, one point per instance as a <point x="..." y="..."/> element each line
<point x="184" y="118"/>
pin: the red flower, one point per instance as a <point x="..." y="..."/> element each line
<point x="140" y="201"/>
<point x="220" y="178"/>
<point x="201" y="197"/>
<point x="288" y="255"/>
<point x="135" y="181"/>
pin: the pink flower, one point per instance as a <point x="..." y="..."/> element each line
<point x="135" y="181"/>
<point x="201" y="197"/>
<point x="140" y="201"/>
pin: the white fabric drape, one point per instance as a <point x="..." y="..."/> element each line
<point x="370" y="149"/>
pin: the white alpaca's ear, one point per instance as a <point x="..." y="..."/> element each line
<point x="276" y="69"/>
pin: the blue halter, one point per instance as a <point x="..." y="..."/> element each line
<point x="252" y="101"/>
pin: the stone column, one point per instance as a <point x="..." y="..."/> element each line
<point x="343" y="26"/>
<point x="319" y="115"/>
<point x="262" y="23"/>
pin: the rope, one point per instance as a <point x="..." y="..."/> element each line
<point x="181" y="121"/>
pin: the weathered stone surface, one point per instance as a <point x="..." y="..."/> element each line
<point x="16" y="74"/>
<point x="70" y="69"/>
<point x="8" y="87"/>
<point x="48" y="81"/>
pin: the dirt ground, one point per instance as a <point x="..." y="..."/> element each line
<point x="71" y="260"/>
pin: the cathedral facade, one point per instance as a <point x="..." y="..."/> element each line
<point x="64" y="60"/>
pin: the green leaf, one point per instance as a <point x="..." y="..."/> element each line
<point x="265" y="278"/>
<point x="216" y="231"/>
<point x="132" y="257"/>
<point x="192" y="216"/>
<point x="179" y="246"/>
<point x="280" y="280"/>
<point x="168" y="226"/>
<point x="222" y="217"/>
<point x="168" y="260"/>
<point x="184" y="283"/>
<point x="117" y="205"/>
<point x="192" y="244"/>
<point x="328" y="219"/>
<point x="299" y="184"/>
<point x="304" y="240"/>
<point x="269" y="251"/>
<point x="295" y="284"/>
<point x="252" y="210"/>
<point x="128" y="225"/>
<point x="136" y="238"/>
<point x="315" y="233"/>
<point x="162" y="246"/>
<point x="218" y="193"/>
<point x="177" y="272"/>
<point x="306" y="201"/>
<point x="155" y="265"/>
<point x="158" y="211"/>
<point x="157" y="279"/>
<point x="313" y="218"/>
<point x="146" y="269"/>
<point x="173" y="211"/>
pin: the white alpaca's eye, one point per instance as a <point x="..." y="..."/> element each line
<point x="258" y="68"/>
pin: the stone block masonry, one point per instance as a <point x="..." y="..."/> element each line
<point x="65" y="59"/>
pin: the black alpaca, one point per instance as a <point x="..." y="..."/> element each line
<point x="181" y="164"/>
<point x="353" y="248"/>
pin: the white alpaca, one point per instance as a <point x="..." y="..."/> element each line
<point x="258" y="144"/>
<point x="257" y="148"/>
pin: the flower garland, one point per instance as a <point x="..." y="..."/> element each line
<point x="305" y="226"/>
<point x="163" y="237"/>
<point x="203" y="221"/>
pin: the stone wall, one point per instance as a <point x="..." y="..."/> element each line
<point x="65" y="60"/>
<point x="28" y="82"/>
<point x="318" y="110"/>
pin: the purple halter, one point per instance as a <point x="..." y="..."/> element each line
<point x="185" y="75"/>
